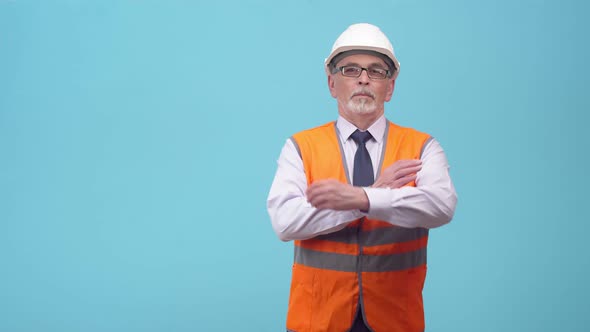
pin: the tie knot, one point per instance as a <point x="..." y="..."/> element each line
<point x="361" y="137"/>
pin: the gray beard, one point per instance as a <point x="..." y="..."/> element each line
<point x="362" y="106"/>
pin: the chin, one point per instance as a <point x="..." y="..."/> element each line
<point x="361" y="107"/>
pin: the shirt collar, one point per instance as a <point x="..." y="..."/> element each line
<point x="345" y="128"/>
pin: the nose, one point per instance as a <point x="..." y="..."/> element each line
<point x="364" y="78"/>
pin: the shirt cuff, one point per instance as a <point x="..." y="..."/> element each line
<point x="378" y="199"/>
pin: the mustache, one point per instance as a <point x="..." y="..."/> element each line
<point x="362" y="91"/>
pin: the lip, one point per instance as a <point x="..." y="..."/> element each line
<point x="362" y="95"/>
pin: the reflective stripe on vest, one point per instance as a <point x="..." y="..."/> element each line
<point x="350" y="263"/>
<point x="392" y="236"/>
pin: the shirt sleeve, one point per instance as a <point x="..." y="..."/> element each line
<point x="292" y="217"/>
<point x="430" y="204"/>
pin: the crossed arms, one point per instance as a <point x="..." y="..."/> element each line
<point x="299" y="211"/>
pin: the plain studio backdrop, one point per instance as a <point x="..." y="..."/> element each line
<point x="139" y="139"/>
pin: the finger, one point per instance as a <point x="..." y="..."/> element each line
<point x="322" y="206"/>
<point x="404" y="163"/>
<point x="317" y="186"/>
<point x="403" y="181"/>
<point x="318" y="192"/>
<point x="400" y="164"/>
<point x="313" y="198"/>
<point x="406" y="171"/>
<point x="314" y="186"/>
<point x="309" y="193"/>
<point x="400" y="170"/>
<point x="321" y="202"/>
<point x="313" y="194"/>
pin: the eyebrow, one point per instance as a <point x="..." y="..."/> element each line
<point x="374" y="64"/>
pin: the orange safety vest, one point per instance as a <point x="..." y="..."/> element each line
<point x="387" y="262"/>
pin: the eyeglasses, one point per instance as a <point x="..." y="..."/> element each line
<point x="356" y="71"/>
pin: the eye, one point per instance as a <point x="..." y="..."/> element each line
<point x="350" y="70"/>
<point x="378" y="72"/>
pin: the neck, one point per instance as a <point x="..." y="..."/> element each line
<point x="361" y="121"/>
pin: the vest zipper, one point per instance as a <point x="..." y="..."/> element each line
<point x="359" y="268"/>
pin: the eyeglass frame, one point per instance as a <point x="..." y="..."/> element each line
<point x="388" y="73"/>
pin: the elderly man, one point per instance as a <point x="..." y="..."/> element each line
<point x="358" y="197"/>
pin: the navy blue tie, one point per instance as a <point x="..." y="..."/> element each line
<point x="362" y="174"/>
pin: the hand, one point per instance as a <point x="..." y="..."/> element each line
<point x="335" y="195"/>
<point x="399" y="174"/>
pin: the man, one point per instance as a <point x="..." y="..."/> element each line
<point x="360" y="243"/>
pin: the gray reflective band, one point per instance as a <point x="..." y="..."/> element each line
<point x="389" y="235"/>
<point x="325" y="260"/>
<point x="296" y="146"/>
<point x="345" y="235"/>
<point x="342" y="154"/>
<point x="424" y="145"/>
<point x="385" y="134"/>
<point x="394" y="262"/>
<point x="375" y="237"/>
<point x="369" y="263"/>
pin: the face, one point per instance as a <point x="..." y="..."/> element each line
<point x="360" y="95"/>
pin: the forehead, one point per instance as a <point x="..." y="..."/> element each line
<point x="363" y="60"/>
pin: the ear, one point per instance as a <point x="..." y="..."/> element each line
<point x="390" y="86"/>
<point x="331" y="84"/>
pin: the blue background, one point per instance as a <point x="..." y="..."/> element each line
<point x="138" y="141"/>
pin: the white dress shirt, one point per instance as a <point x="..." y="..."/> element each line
<point x="430" y="204"/>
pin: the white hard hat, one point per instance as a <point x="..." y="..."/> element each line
<point x="364" y="37"/>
